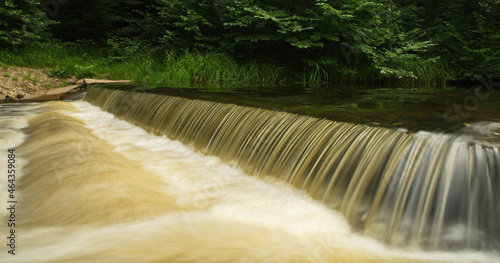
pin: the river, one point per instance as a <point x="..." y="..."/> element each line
<point x="90" y="186"/>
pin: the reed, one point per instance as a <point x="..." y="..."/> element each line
<point x="315" y="73"/>
<point x="195" y="67"/>
<point x="433" y="73"/>
<point x="427" y="75"/>
<point x="325" y="72"/>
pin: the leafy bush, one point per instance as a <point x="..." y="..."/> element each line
<point x="22" y="21"/>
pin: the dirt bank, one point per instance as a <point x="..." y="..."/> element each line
<point x="18" y="84"/>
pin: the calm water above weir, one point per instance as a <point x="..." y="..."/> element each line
<point x="446" y="109"/>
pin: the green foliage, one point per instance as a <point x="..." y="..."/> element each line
<point x="100" y="20"/>
<point x="191" y="68"/>
<point x="21" y="21"/>
<point x="72" y="70"/>
<point x="312" y="41"/>
<point x="465" y="34"/>
<point x="121" y="48"/>
<point x="65" y="60"/>
<point x="30" y="78"/>
<point x="330" y="40"/>
<point x="82" y="20"/>
<point x="188" y="68"/>
<point x="59" y="72"/>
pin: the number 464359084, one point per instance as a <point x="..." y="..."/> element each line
<point x="11" y="173"/>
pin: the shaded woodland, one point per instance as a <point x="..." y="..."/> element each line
<point x="308" y="40"/>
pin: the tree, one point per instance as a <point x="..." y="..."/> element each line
<point x="337" y="37"/>
<point x="465" y="34"/>
<point x="21" y="22"/>
<point x="85" y="20"/>
<point x="470" y="44"/>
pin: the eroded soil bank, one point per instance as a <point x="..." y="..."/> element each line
<point x="19" y="84"/>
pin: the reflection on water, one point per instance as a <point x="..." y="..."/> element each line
<point x="92" y="188"/>
<point x="446" y="109"/>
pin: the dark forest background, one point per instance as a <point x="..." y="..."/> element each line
<point x="326" y="40"/>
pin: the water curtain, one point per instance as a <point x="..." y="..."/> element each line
<point x="434" y="191"/>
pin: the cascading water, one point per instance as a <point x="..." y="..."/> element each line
<point x="93" y="188"/>
<point x="428" y="190"/>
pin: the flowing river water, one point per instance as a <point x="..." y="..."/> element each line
<point x="136" y="177"/>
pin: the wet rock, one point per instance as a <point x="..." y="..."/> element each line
<point x="9" y="98"/>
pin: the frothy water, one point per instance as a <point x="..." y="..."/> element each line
<point x="92" y="188"/>
<point x="406" y="189"/>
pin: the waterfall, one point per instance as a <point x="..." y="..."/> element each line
<point x="89" y="187"/>
<point x="427" y="190"/>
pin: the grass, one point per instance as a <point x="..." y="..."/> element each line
<point x="329" y="72"/>
<point x="171" y="68"/>
<point x="186" y="68"/>
<point x="63" y="60"/>
<point x="207" y="68"/>
<point x="424" y="75"/>
<point x="437" y="73"/>
<point x="30" y="78"/>
<point x="199" y="68"/>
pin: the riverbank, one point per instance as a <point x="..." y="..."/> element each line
<point x="169" y="67"/>
<point x="22" y="84"/>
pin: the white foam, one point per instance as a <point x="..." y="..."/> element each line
<point x="232" y="216"/>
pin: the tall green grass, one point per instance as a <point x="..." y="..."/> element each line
<point x="193" y="67"/>
<point x="186" y="68"/>
<point x="436" y="73"/>
<point x="329" y="72"/>
<point x="426" y="75"/>
<point x="59" y="60"/>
